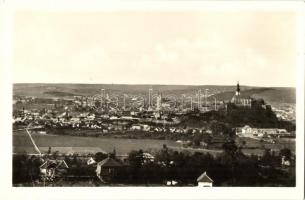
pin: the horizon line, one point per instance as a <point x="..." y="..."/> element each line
<point x="156" y="84"/>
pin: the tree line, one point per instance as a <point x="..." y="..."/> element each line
<point x="230" y="168"/>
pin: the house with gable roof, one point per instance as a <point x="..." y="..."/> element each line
<point x="204" y="180"/>
<point x="107" y="169"/>
<point x="53" y="168"/>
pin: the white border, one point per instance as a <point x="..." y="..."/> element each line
<point x="153" y="5"/>
<point x="140" y="192"/>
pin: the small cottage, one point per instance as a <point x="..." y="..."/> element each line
<point x="107" y="169"/>
<point x="204" y="180"/>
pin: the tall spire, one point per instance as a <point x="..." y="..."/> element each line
<point x="238" y="89"/>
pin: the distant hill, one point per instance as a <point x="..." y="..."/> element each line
<point x="57" y="90"/>
<point x="46" y="90"/>
<point x="270" y="95"/>
<point x="280" y="95"/>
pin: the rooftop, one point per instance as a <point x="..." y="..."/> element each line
<point x="204" y="178"/>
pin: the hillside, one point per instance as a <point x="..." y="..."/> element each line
<point x="58" y="90"/>
<point x="271" y="95"/>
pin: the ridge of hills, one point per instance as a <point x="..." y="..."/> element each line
<point x="48" y="90"/>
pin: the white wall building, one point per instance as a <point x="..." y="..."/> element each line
<point x="204" y="180"/>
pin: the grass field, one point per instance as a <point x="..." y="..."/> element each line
<point x="75" y="144"/>
<point x="71" y="144"/>
<point x="257" y="147"/>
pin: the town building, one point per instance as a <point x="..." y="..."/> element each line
<point x="251" y="132"/>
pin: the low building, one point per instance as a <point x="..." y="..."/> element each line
<point x="136" y="127"/>
<point x="248" y="131"/>
<point x="204" y="180"/>
<point x="107" y="169"/>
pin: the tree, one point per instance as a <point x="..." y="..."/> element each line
<point x="221" y="128"/>
<point x="97" y="103"/>
<point x="197" y="139"/>
<point x="267" y="157"/>
<point x="136" y="158"/>
<point x="230" y="157"/>
<point x="230" y="148"/>
<point x="113" y="154"/>
<point x="33" y="167"/>
<point x="49" y="150"/>
<point x="286" y="152"/>
<point x="163" y="155"/>
<point x="55" y="155"/>
<point x="136" y="161"/>
<point x="99" y="156"/>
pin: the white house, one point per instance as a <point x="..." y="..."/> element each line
<point x="204" y="180"/>
<point x="136" y="127"/>
<point x="285" y="162"/>
<point x="91" y="161"/>
<point x="245" y="131"/>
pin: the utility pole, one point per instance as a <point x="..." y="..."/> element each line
<point x="206" y="97"/>
<point x="124" y="102"/>
<point x="102" y="97"/>
<point x="150" y="91"/>
<point x="199" y="99"/>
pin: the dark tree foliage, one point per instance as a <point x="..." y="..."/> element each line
<point x="99" y="156"/>
<point x="25" y="168"/>
<point x="256" y="116"/>
<point x="231" y="168"/>
<point x="236" y="116"/>
<point x="286" y="152"/>
<point x="136" y="159"/>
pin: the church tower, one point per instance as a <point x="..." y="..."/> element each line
<point x="241" y="100"/>
<point x="237" y="93"/>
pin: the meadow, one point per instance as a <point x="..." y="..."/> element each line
<point x="75" y="144"/>
<point x="122" y="146"/>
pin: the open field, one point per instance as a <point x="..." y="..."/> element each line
<point x="257" y="147"/>
<point x="71" y="144"/>
<point x="75" y="144"/>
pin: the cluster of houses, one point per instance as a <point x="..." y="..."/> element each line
<point x="248" y="131"/>
<point x="105" y="122"/>
<point x="287" y="113"/>
<point x="27" y="115"/>
<point x="105" y="170"/>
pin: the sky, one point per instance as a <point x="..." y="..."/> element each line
<point x="168" y="47"/>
